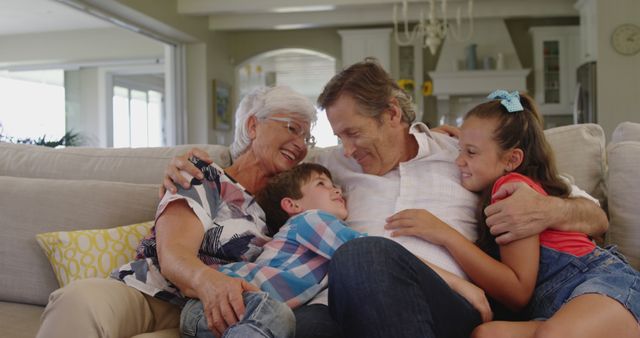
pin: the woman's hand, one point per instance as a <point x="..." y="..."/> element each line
<point x="221" y="298"/>
<point x="420" y="223"/>
<point x="473" y="295"/>
<point x="172" y="174"/>
<point x="179" y="235"/>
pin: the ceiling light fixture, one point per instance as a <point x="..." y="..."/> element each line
<point x="293" y="26"/>
<point x="430" y="32"/>
<point x="296" y="9"/>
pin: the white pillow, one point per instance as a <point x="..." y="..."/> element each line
<point x="580" y="152"/>
<point x="623" y="183"/>
<point x="626" y="131"/>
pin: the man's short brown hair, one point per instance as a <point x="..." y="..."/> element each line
<point x="285" y="184"/>
<point x="372" y="88"/>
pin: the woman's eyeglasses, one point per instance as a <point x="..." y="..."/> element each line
<point x="296" y="129"/>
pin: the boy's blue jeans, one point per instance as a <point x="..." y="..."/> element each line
<point x="263" y="317"/>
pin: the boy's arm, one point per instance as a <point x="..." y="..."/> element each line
<point x="323" y="233"/>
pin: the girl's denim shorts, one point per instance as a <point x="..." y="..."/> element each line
<point x="562" y="277"/>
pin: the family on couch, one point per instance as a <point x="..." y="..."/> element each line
<point x="388" y="166"/>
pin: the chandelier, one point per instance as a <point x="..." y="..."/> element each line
<point x="431" y="32"/>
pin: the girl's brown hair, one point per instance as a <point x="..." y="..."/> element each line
<point x="524" y="130"/>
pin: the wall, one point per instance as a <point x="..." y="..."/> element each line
<point x="197" y="94"/>
<point x="73" y="46"/>
<point x="166" y="12"/>
<point x="246" y="44"/>
<point x="221" y="70"/>
<point x="618" y="76"/>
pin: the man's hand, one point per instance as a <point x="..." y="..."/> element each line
<point x="221" y="298"/>
<point x="447" y="129"/>
<point x="172" y="174"/>
<point x="521" y="212"/>
<point x="420" y="223"/>
<point x="524" y="213"/>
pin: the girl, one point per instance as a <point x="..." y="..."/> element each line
<point x="580" y="289"/>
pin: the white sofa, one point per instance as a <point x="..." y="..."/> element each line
<point x="45" y="190"/>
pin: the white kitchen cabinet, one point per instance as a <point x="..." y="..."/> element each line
<point x="588" y="30"/>
<point x="555" y="59"/>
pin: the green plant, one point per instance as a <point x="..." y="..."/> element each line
<point x="69" y="139"/>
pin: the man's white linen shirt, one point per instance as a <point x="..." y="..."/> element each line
<point x="430" y="181"/>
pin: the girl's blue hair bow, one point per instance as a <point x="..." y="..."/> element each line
<point x="511" y="101"/>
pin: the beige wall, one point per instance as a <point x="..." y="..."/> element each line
<point x="76" y="46"/>
<point x="618" y="76"/>
<point x="197" y="93"/>
<point x="220" y="69"/>
<point x="246" y="44"/>
<point x="166" y="11"/>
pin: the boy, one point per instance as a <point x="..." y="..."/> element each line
<point x="305" y="213"/>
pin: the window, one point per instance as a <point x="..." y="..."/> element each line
<point x="323" y="132"/>
<point x="137" y="118"/>
<point x="32" y="104"/>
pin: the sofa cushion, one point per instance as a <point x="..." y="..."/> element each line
<point x="580" y="153"/>
<point x="626" y="131"/>
<point x="91" y="253"/>
<point x="623" y="183"/>
<point x="30" y="206"/>
<point x="19" y="320"/>
<point x="134" y="165"/>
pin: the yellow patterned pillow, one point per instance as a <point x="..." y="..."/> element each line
<point x="91" y="253"/>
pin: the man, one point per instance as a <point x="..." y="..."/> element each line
<point x="396" y="173"/>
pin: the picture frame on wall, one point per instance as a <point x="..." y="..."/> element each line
<point x="220" y="103"/>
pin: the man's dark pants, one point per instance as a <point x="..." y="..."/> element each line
<point x="379" y="289"/>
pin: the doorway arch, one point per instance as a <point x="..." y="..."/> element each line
<point x="305" y="71"/>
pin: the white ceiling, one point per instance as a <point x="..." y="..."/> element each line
<point x="270" y="14"/>
<point x="34" y="16"/>
<point x="31" y="16"/>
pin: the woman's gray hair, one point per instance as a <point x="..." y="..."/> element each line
<point x="264" y="102"/>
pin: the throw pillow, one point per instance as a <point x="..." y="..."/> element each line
<point x="91" y="253"/>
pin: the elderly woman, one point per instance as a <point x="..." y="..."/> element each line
<point x="214" y="222"/>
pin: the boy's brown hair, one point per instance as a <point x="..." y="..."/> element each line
<point x="285" y="184"/>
